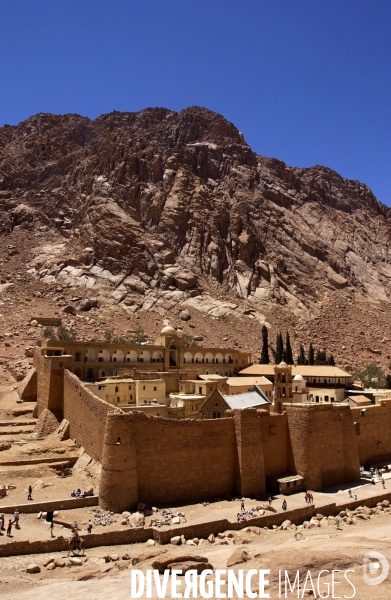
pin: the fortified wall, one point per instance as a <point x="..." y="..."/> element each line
<point x="162" y="461"/>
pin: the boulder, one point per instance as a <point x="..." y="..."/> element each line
<point x="211" y="538"/>
<point x="59" y="562"/>
<point x="189" y="566"/>
<point x="151" y="542"/>
<point x="47" y="561"/>
<point x="176" y="540"/>
<point x="51" y="566"/>
<point x="185" y="315"/>
<point x="69" y="310"/>
<point x="89" y="491"/>
<point x="286" y="524"/>
<point x="137" y="519"/>
<point x="5" y="446"/>
<point x="33" y="568"/>
<point x="76" y="562"/>
<point x="114" y="557"/>
<point x="125" y="514"/>
<point x="124" y="522"/>
<point x="162" y="563"/>
<point x="176" y="521"/>
<point x="125" y="556"/>
<point x="239" y="556"/>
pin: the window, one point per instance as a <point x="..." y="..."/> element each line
<point x="143" y="387"/>
<point x="131" y="397"/>
<point x="155" y="388"/>
<point x="332" y="399"/>
<point x="130" y="387"/>
<point x="77" y="356"/>
<point x="316" y="398"/>
<point x="118" y="399"/>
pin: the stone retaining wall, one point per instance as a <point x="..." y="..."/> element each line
<point x="199" y="530"/>
<point x="36" y="507"/>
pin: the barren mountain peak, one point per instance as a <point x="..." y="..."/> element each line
<point x="155" y="212"/>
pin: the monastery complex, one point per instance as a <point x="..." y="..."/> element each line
<point x="168" y="423"/>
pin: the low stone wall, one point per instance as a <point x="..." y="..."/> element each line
<point x="36" y="507"/>
<point x="93" y="540"/>
<point x="199" y="530"/>
<point x="38" y="461"/>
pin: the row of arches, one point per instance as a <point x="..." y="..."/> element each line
<point x="208" y="358"/>
<point x="119" y="356"/>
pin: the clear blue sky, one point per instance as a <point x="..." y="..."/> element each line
<point x="306" y="81"/>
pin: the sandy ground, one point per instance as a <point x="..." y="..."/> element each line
<point x="318" y="549"/>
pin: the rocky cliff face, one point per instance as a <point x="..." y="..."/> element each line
<point x="160" y="210"/>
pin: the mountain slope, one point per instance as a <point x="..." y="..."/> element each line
<point x="158" y="211"/>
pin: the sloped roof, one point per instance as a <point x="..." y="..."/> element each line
<point x="240" y="381"/>
<point x="251" y="399"/>
<point x="359" y="399"/>
<point x="303" y="370"/>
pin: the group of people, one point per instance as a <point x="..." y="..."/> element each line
<point x="78" y="493"/>
<point x="10" y="523"/>
<point x="376" y="472"/>
<point x="309" y="498"/>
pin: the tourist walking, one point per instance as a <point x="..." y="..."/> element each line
<point x="16" y="518"/>
<point x="89" y="528"/>
<point x="3" y="521"/>
<point x="29" y="493"/>
<point x="1" y="524"/>
<point x="337" y="519"/>
<point x="242" y="505"/>
<point x="270" y="500"/>
<point x="9" y="528"/>
<point x="350" y="493"/>
<point x="383" y="482"/>
<point x="284" y="505"/>
<point x="51" y="527"/>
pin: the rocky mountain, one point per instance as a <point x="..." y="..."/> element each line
<point x="152" y="213"/>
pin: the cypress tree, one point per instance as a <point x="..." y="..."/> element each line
<point x="301" y="357"/>
<point x="264" y="360"/>
<point x="311" y="355"/>
<point x="289" y="354"/>
<point x="331" y="361"/>
<point x="279" y="348"/>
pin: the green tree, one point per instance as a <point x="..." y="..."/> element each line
<point x="49" y="334"/>
<point x="388" y="381"/>
<point x="265" y="360"/>
<point x="301" y="357"/>
<point x="311" y="355"/>
<point x="321" y="357"/>
<point x="65" y="334"/>
<point x="289" y="354"/>
<point x="279" y="349"/>
<point x="189" y="341"/>
<point x="108" y="336"/>
<point x="371" y="371"/>
<point x="331" y="361"/>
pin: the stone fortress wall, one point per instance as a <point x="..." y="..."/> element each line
<point x="162" y="461"/>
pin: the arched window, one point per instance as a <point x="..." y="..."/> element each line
<point x="77" y="357"/>
<point x="90" y="374"/>
<point x="173" y="356"/>
<point x="131" y="356"/>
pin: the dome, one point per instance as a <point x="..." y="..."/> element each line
<point x="298" y="377"/>
<point x="282" y="364"/>
<point x="168" y="330"/>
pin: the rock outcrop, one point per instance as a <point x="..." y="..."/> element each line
<point x="158" y="210"/>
